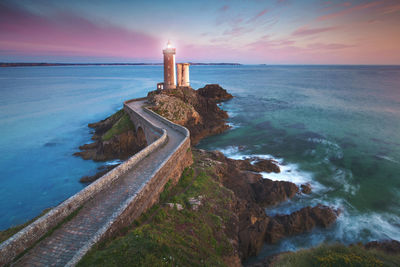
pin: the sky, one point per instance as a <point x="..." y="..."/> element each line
<point x="242" y="31"/>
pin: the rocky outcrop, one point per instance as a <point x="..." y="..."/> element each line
<point x="270" y="192"/>
<point x="215" y="92"/>
<point x="306" y="188"/>
<point x="299" y="222"/>
<point x="197" y="110"/>
<point x="253" y="194"/>
<point x="114" y="138"/>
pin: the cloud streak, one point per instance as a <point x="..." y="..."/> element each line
<point x="258" y="15"/>
<point x="305" y="31"/>
<point x="350" y="10"/>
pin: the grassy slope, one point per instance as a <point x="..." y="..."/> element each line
<point x="123" y="124"/>
<point x="337" y="255"/>
<point x="164" y="236"/>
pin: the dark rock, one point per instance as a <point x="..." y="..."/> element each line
<point x="299" y="222"/>
<point x="252" y="193"/>
<point x="306" y="188"/>
<point x="267" y="165"/>
<point x="215" y="92"/>
<point x="388" y="246"/>
<point x="260" y="165"/>
<point x="120" y="146"/>
<point x="268" y="192"/>
<point x="253" y="224"/>
<point x="104" y="125"/>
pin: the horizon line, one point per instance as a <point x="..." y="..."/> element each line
<point x="50" y="64"/>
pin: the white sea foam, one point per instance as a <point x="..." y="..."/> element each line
<point x="344" y="178"/>
<point x="387" y="158"/>
<point x="331" y="148"/>
<point x="229" y="151"/>
<point x="233" y="125"/>
<point x="367" y="227"/>
<point x="114" y="162"/>
<point x="351" y="226"/>
<point x="289" y="171"/>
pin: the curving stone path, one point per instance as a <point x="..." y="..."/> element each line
<point x="66" y="245"/>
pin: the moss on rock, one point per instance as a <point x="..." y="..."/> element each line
<point x="123" y="124"/>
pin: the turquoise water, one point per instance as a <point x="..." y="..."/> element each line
<point x="336" y="127"/>
<point x="44" y="112"/>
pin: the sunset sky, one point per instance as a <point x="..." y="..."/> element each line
<point x="248" y="32"/>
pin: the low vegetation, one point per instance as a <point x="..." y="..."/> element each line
<point x="337" y="255"/>
<point x="171" y="236"/>
<point x="122" y="125"/>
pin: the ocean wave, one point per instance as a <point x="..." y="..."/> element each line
<point x="351" y="228"/>
<point x="331" y="149"/>
<point x="343" y="178"/>
<point x="386" y="158"/>
<point x="290" y="172"/>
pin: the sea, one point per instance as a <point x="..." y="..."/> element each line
<point x="335" y="127"/>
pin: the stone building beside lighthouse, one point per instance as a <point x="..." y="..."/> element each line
<point x="183" y="74"/>
<point x="173" y="77"/>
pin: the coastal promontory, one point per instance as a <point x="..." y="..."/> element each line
<point x="217" y="199"/>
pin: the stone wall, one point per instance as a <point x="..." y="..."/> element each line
<point x="150" y="132"/>
<point x="171" y="168"/>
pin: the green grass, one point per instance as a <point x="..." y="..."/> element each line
<point x="4" y="235"/>
<point x="338" y="256"/>
<point x="122" y="125"/>
<point x="164" y="236"/>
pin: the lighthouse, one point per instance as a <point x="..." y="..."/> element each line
<point x="170" y="79"/>
<point x="169" y="67"/>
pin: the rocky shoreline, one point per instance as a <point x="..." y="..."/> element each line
<point x="253" y="194"/>
<point x="197" y="110"/>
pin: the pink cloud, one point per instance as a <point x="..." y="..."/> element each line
<point x="258" y="15"/>
<point x="391" y="9"/>
<point x="304" y="31"/>
<point x="334" y="46"/>
<point x="350" y="10"/>
<point x="67" y="34"/>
